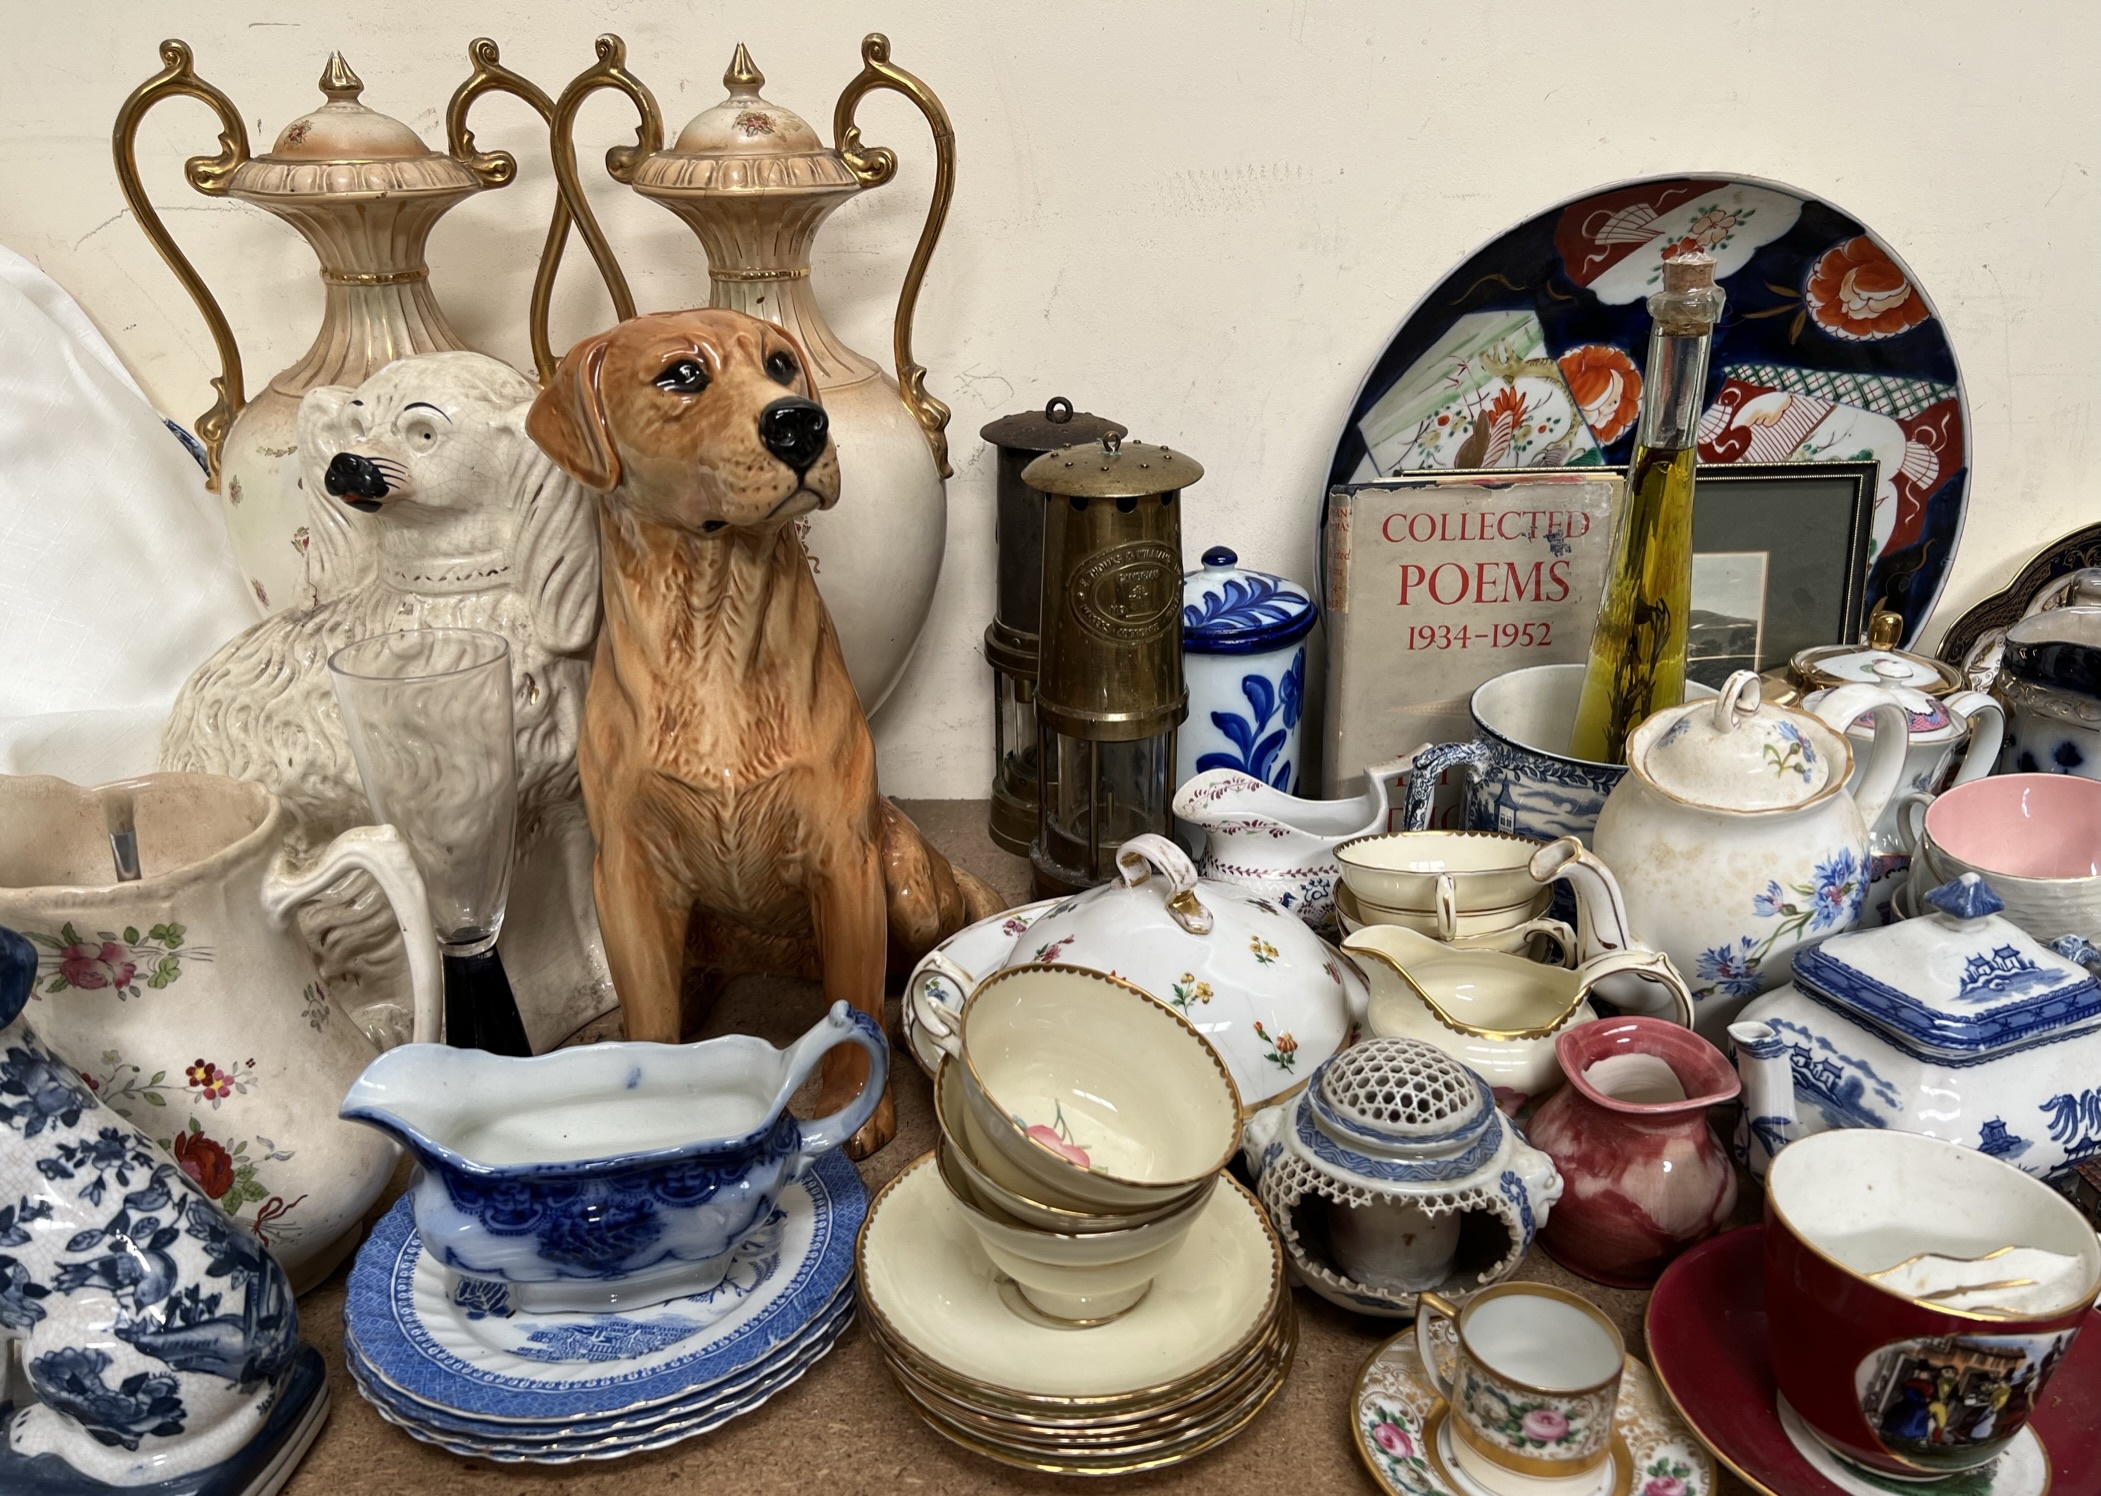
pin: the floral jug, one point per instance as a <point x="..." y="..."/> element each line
<point x="365" y="192"/>
<point x="755" y="184"/>
<point x="169" y="970"/>
<point x="1278" y="846"/>
<point x="1735" y="838"/>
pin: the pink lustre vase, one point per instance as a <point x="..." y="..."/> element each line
<point x="1644" y="1176"/>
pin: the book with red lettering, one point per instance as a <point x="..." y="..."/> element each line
<point x="1437" y="582"/>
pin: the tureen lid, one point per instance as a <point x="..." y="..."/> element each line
<point x="1056" y="425"/>
<point x="1877" y="663"/>
<point x="746" y="143"/>
<point x="1731" y="753"/>
<point x="1112" y="468"/>
<point x="1400" y="1097"/>
<point x="1961" y="983"/>
<point x="346" y="148"/>
<point x="1230" y="609"/>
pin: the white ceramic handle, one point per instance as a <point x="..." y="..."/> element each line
<point x="1885" y="766"/>
<point x="380" y="851"/>
<point x="1986" y="720"/>
<point x="1911" y="820"/>
<point x="1657" y="970"/>
<point x="1738" y="701"/>
<point x="1447" y="908"/>
<point x="932" y="1016"/>
<point x="1140" y="857"/>
<point x="1430" y="1307"/>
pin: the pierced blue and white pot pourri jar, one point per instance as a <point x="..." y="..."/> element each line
<point x="1244" y="658"/>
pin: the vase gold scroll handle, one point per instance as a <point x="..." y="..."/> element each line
<point x="610" y="71"/>
<point x="210" y="175"/>
<point x="500" y="169"/>
<point x="874" y="165"/>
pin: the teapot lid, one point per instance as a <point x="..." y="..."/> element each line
<point x="1962" y="983"/>
<point x="1400" y="1096"/>
<point x="1230" y="609"/>
<point x="1056" y="425"/>
<point x="1731" y="753"/>
<point x="348" y="149"/>
<point x="1112" y="468"/>
<point x="746" y="143"/>
<point x="1877" y="663"/>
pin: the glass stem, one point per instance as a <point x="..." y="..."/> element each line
<point x="480" y="1012"/>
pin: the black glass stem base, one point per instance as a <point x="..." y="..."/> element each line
<point x="480" y="1012"/>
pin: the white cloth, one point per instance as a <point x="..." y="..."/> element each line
<point x="116" y="576"/>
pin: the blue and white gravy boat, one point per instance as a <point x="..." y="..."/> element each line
<point x="612" y="1175"/>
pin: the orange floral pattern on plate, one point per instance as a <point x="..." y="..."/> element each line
<point x="1857" y="292"/>
<point x="1606" y="387"/>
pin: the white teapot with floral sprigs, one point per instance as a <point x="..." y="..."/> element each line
<point x="1272" y="997"/>
<point x="1735" y="838"/>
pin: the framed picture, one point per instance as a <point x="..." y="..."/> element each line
<point x="1781" y="552"/>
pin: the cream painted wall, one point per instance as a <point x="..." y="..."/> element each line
<point x="1202" y="218"/>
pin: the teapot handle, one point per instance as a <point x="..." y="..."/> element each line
<point x="1138" y="858"/>
<point x="841" y="1025"/>
<point x="1986" y="719"/>
<point x="1885" y="766"/>
<point x="380" y="851"/>
<point x="874" y="165"/>
<point x="610" y="71"/>
<point x="210" y="175"/>
<point x="500" y="169"/>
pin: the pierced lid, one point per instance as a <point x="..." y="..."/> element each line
<point x="1733" y="754"/>
<point x="746" y="143"/>
<point x="1960" y="983"/>
<point x="1055" y="426"/>
<point x="1231" y="609"/>
<point x="1400" y="1095"/>
<point x="1112" y="468"/>
<point x="345" y="149"/>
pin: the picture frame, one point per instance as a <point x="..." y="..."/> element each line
<point x="1781" y="553"/>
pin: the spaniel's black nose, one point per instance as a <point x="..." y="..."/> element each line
<point x="794" y="431"/>
<point x="356" y="480"/>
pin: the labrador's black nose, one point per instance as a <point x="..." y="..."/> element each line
<point x="793" y="430"/>
<point x="356" y="481"/>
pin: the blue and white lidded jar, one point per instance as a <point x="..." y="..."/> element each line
<point x="1244" y="657"/>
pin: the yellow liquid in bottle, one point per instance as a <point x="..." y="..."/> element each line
<point x="1637" y="654"/>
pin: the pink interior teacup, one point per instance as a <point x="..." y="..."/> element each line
<point x="2026" y="825"/>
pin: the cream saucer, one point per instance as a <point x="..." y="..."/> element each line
<point x="1615" y="1477"/>
<point x="934" y="1294"/>
<point x="1394" y="1410"/>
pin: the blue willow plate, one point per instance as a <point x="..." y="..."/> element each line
<point x="683" y="1421"/>
<point x="462" y="1347"/>
<point x="1530" y="354"/>
<point x="447" y="1423"/>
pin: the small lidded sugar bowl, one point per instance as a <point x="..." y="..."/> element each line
<point x="1392" y="1173"/>
<point x="1244" y="658"/>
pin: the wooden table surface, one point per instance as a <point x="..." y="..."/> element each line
<point x="844" y="1429"/>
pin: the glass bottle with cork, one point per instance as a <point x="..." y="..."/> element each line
<point x="1637" y="651"/>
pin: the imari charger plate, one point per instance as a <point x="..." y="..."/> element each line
<point x="1530" y="354"/>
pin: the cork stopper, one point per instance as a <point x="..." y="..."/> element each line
<point x="1690" y="303"/>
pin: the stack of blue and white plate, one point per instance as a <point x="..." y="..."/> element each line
<point x="453" y="1362"/>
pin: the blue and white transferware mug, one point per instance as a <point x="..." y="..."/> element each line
<point x="613" y="1174"/>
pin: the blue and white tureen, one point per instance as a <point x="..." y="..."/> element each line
<point x="1244" y="657"/>
<point x="1957" y="1025"/>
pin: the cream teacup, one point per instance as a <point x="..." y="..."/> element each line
<point x="1081" y="1091"/>
<point x="1078" y="1279"/>
<point x="1414" y="872"/>
<point x="1532" y="1386"/>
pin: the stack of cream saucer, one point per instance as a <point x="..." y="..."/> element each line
<point x="1184" y="1370"/>
<point x="1069" y="1282"/>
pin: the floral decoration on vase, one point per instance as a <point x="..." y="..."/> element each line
<point x="112" y="959"/>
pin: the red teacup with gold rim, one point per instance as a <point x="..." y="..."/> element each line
<point x="1919" y="1295"/>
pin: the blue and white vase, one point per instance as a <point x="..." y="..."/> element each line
<point x="1244" y="656"/>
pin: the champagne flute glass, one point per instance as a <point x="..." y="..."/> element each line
<point x="428" y="713"/>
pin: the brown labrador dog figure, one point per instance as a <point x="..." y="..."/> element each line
<point x="726" y="763"/>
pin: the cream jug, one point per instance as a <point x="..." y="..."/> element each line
<point x="169" y="970"/>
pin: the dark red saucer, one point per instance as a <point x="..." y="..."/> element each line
<point x="1706" y="1329"/>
